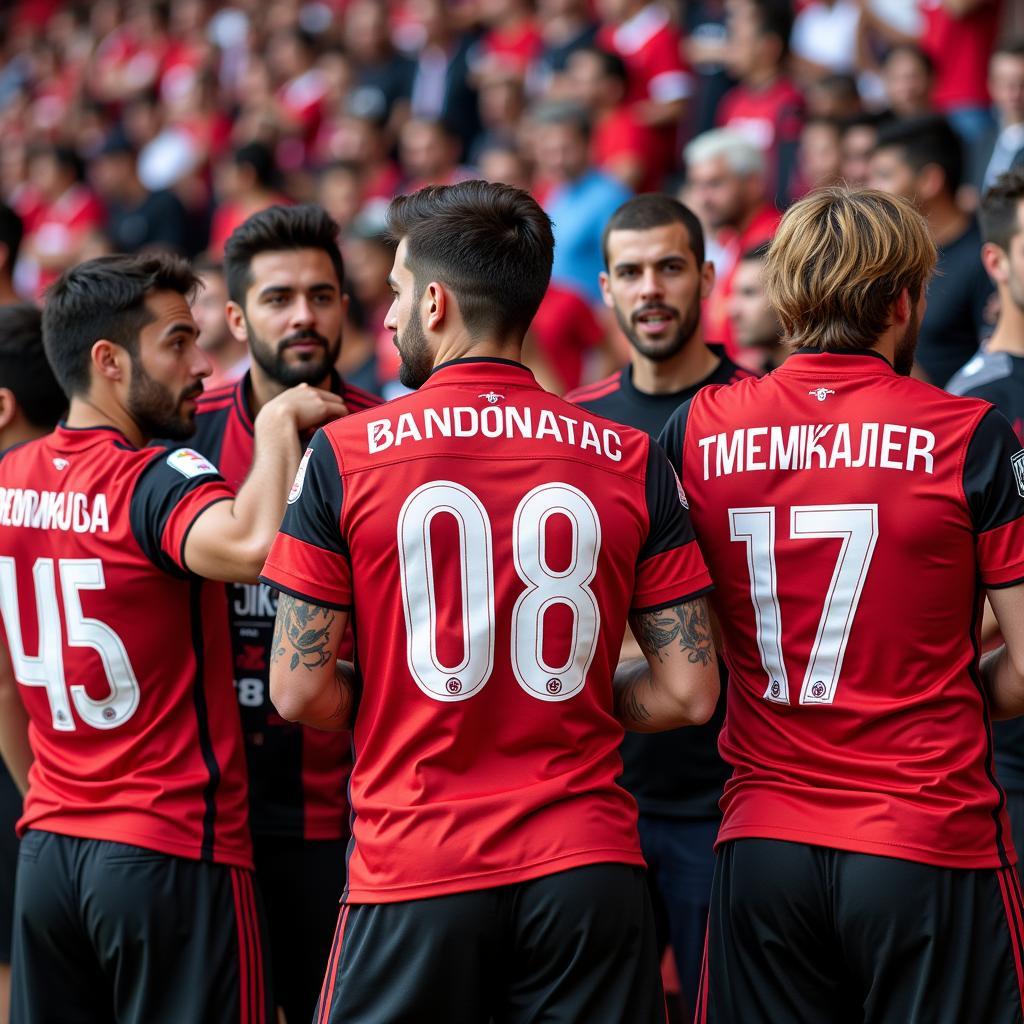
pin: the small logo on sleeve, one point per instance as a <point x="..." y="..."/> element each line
<point x="190" y="463"/>
<point x="1017" y="461"/>
<point x="300" y="478"/>
<point x="680" y="491"/>
<point x="821" y="393"/>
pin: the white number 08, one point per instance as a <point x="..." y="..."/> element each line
<point x="857" y="527"/>
<point x="545" y="587"/>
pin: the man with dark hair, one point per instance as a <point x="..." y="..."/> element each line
<point x="489" y="835"/>
<point x="853" y="518"/>
<point x="135" y="899"/>
<point x="755" y="327"/>
<point x="655" y="280"/>
<point x="11" y="234"/>
<point x="284" y="277"/>
<point x="229" y="356"/>
<point x="1006" y="86"/>
<point x="921" y="160"/>
<point x="31" y="403"/>
<point x="858" y="136"/>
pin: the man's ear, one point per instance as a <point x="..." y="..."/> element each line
<point x="110" y="360"/>
<point x="434" y="305"/>
<point x="235" y="316"/>
<point x="707" y="279"/>
<point x="994" y="261"/>
<point x="8" y="408"/>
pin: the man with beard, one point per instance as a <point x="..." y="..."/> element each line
<point x="135" y="898"/>
<point x="655" y="280"/>
<point x="284" y="277"/>
<point x="488" y="540"/>
<point x="853" y="518"/>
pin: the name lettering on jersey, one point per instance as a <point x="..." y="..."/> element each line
<point x="1017" y="461"/>
<point x="190" y="463"/>
<point x="819" y="446"/>
<point x="71" y="511"/>
<point x="492" y="421"/>
<point x="254" y="599"/>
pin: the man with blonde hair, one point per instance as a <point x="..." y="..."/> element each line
<point x="865" y="865"/>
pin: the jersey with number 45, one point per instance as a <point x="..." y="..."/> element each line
<point x="489" y="540"/>
<point x="852" y="519"/>
<point x="121" y="654"/>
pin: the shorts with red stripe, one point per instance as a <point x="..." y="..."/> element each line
<point x="105" y="931"/>
<point x="808" y="934"/>
<point x="577" y="946"/>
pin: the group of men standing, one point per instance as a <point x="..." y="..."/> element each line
<point x="455" y="572"/>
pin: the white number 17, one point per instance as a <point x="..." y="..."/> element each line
<point x="857" y="527"/>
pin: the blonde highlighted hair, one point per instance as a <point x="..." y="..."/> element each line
<point x="839" y="260"/>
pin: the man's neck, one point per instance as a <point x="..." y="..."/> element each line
<point x="18" y="431"/>
<point x="761" y="79"/>
<point x="1009" y="333"/>
<point x="8" y="296"/>
<point x="462" y="346"/>
<point x="85" y="412"/>
<point x="263" y="388"/>
<point x="694" y="363"/>
<point x="946" y="221"/>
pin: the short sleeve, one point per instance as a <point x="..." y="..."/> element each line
<point x="993" y="480"/>
<point x="670" y="568"/>
<point x="171" y="493"/>
<point x="309" y="557"/>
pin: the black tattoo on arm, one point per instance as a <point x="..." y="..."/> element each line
<point x="688" y="624"/>
<point x="628" y="707"/>
<point x="303" y="632"/>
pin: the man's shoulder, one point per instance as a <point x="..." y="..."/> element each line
<point x="587" y="395"/>
<point x="357" y="398"/>
<point x="982" y="371"/>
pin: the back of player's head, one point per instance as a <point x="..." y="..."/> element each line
<point x="105" y="298"/>
<point x="279" y="229"/>
<point x="999" y="212"/>
<point x="24" y="369"/>
<point x="922" y="141"/>
<point x="11" y="233"/>
<point x="839" y="260"/>
<point x="491" y="244"/>
<point x="654" y="210"/>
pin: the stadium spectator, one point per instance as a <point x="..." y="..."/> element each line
<point x="228" y="356"/>
<point x="865" y="852"/>
<point x="706" y="49"/>
<point x="857" y="141"/>
<point x="489" y="730"/>
<point x="908" y="76"/>
<point x="824" y="38"/>
<point x="820" y="158"/>
<point x="11" y="233"/>
<point x="135" y="853"/>
<point x="300" y="95"/>
<point x="725" y="188"/>
<point x="565" y="26"/>
<point x="578" y="198"/>
<point x="765" y="107"/>
<point x="505" y="162"/>
<point x="501" y="100"/>
<point x="920" y="160"/>
<point x="511" y="39"/>
<point x="429" y="155"/>
<point x="246" y="184"/>
<point x="755" y="325"/>
<point x="339" y="190"/>
<point x="567" y="336"/>
<point x="833" y="96"/>
<point x="655" y="281"/>
<point x="1006" y="84"/>
<point x="384" y="77"/>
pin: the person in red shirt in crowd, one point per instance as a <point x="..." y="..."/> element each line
<point x="765" y="106"/>
<point x="853" y="519"/>
<point x="512" y="39"/>
<point x="300" y="94"/>
<point x="246" y="184"/>
<point x="566" y="332"/>
<point x="429" y="155"/>
<point x="725" y="188"/>
<point x="61" y="215"/>
<point x="359" y="138"/>
<point x="135" y="897"/>
<point x="490" y="835"/>
<point x="619" y="141"/>
<point x="660" y="81"/>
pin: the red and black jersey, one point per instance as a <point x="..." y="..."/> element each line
<point x="297" y="776"/>
<point x="851" y="518"/>
<point x="489" y="539"/>
<point x="120" y="652"/>
<point x="679" y="773"/>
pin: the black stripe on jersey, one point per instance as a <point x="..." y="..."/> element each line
<point x="673" y="435"/>
<point x="184" y="536"/>
<point x="305" y="598"/>
<point x="989" y="474"/>
<point x="203" y="720"/>
<point x="669" y="521"/>
<point x="315" y="516"/>
<point x="211" y="428"/>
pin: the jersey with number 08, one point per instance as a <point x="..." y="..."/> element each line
<point x="851" y="518"/>
<point x="121" y="654"/>
<point x="489" y="540"/>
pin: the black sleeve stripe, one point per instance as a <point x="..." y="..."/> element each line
<point x="673" y="435"/>
<point x="319" y="602"/>
<point x="195" y="519"/>
<point x="1004" y="586"/>
<point x="993" y="475"/>
<point x="669" y="523"/>
<point x="314" y="517"/>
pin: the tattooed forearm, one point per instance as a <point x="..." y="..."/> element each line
<point x="629" y="708"/>
<point x="686" y="624"/>
<point x="302" y="633"/>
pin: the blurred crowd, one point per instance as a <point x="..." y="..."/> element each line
<point x="130" y="125"/>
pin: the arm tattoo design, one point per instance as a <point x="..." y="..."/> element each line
<point x="686" y="623"/>
<point x="304" y="631"/>
<point x="629" y="709"/>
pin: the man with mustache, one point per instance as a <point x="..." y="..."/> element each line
<point x="284" y="278"/>
<point x="134" y="898"/>
<point x="655" y="280"/>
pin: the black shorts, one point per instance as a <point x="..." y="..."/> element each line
<point x="105" y="931"/>
<point x="807" y="934"/>
<point x="577" y="946"/>
<point x="301" y="881"/>
<point x="10" y="812"/>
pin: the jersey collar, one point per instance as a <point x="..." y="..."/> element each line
<point x="65" y="437"/>
<point x="243" y="389"/>
<point x="814" y="360"/>
<point x="481" y="370"/>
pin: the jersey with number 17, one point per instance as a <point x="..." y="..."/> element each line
<point x="489" y="540"/>
<point x="852" y="519"/>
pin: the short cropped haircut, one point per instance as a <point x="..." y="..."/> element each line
<point x="654" y="210"/>
<point x="24" y="369"/>
<point x="279" y="229"/>
<point x="105" y="298"/>
<point x="839" y="260"/>
<point x="612" y="65"/>
<point x="11" y="233"/>
<point x="912" y="50"/>
<point x="1012" y="47"/>
<point x="740" y="154"/>
<point x="998" y="212"/>
<point x="563" y="112"/>
<point x="491" y="244"/>
<point x="775" y="18"/>
<point x="926" y="140"/>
